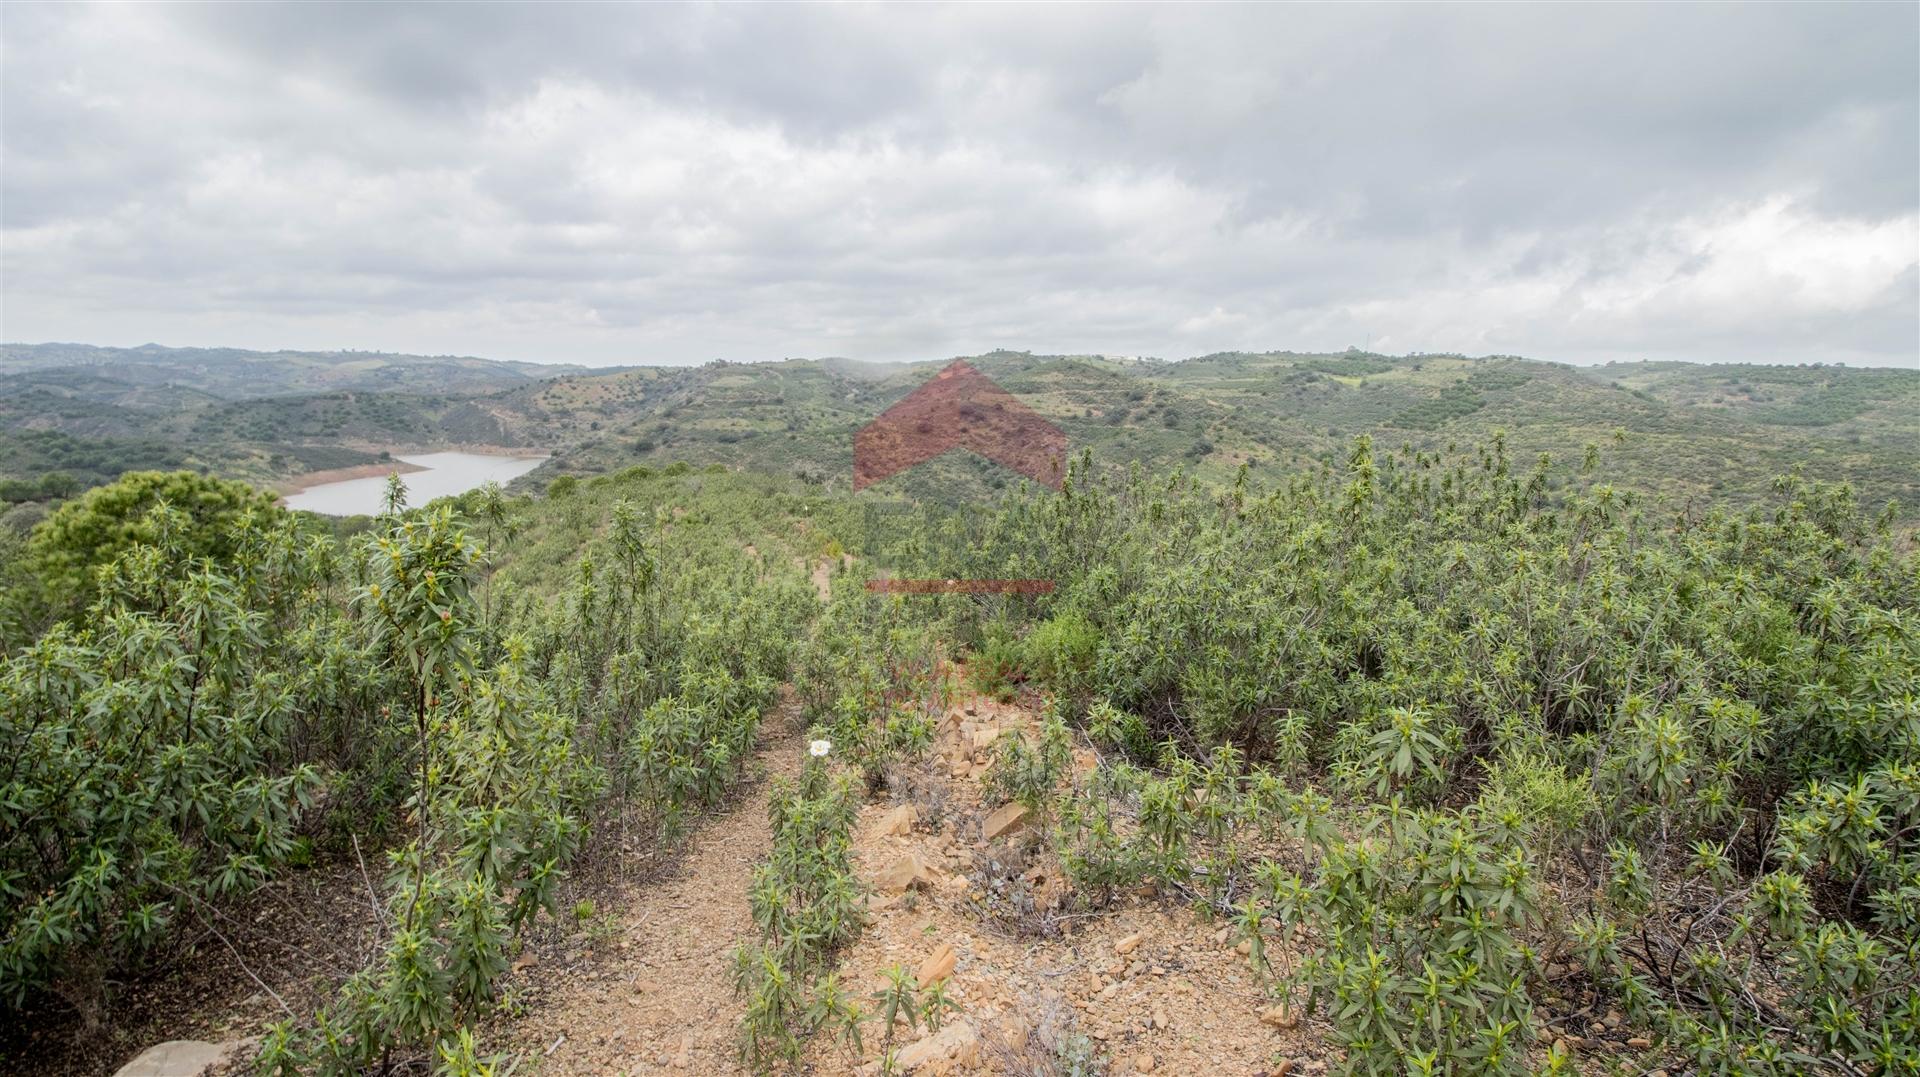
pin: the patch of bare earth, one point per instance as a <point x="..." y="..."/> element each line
<point x="1152" y="986"/>
<point x="311" y="479"/>
<point x="654" y="994"/>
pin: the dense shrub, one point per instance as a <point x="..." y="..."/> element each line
<point x="244" y="692"/>
<point x="161" y="754"/>
<point x="85" y="535"/>
<point x="1706" y="718"/>
<point x="1060" y="652"/>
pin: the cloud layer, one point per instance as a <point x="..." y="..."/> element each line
<point x="672" y="184"/>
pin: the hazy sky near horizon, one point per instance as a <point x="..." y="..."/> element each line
<point x="614" y="184"/>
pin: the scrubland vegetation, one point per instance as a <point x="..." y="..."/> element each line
<point x="1461" y="744"/>
<point x="238" y="693"/>
<point x="1494" y="753"/>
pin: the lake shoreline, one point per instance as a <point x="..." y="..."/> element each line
<point x="361" y="490"/>
<point x="298" y="483"/>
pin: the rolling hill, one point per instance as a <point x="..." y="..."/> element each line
<point x="1280" y="410"/>
<point x="1679" y="430"/>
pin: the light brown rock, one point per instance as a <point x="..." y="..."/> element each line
<point x="174" y="1058"/>
<point x="1279" y="1015"/>
<point x="1128" y="944"/>
<point x="938" y="965"/>
<point x="908" y="872"/>
<point x="1143" y="1064"/>
<point x="957" y="1041"/>
<point x="1005" y="819"/>
<point x="898" y="823"/>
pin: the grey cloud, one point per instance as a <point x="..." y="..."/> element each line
<point x="605" y="183"/>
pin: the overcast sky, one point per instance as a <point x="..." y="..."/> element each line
<point x="675" y="184"/>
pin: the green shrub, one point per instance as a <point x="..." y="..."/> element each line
<point x="83" y="536"/>
<point x="156" y="755"/>
<point x="1421" y="964"/>
<point x="1704" y="717"/>
<point x="246" y="695"/>
<point x="1027" y="770"/>
<point x="994" y="669"/>
<point x="807" y="905"/>
<point x="1060" y="653"/>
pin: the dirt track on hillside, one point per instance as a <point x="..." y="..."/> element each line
<point x="655" y="995"/>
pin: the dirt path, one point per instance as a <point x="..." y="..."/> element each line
<point x="1149" y="987"/>
<point x="654" y="994"/>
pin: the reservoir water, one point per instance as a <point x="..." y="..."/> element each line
<point x="445" y="473"/>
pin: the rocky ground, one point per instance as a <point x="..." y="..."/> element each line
<point x="1152" y="989"/>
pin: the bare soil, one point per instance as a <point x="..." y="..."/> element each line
<point x="1181" y="999"/>
<point x="341" y="474"/>
<point x="650" y="993"/>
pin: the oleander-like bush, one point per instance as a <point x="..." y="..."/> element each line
<point x="1697" y="730"/>
<point x="247" y="691"/>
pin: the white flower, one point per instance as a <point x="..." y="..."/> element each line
<point x="817" y="748"/>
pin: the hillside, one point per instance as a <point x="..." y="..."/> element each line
<point x="91" y="413"/>
<point x="1679" y="430"/>
<point x="634" y="774"/>
<point x="1269" y="411"/>
<point x="238" y="374"/>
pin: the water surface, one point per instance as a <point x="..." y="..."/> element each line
<point x="446" y="473"/>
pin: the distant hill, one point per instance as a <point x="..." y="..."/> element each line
<point x="1679" y="430"/>
<point x="235" y="374"/>
<point x="1674" y="430"/>
<point x="92" y="413"/>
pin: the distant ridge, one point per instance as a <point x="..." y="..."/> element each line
<point x="1683" y="431"/>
